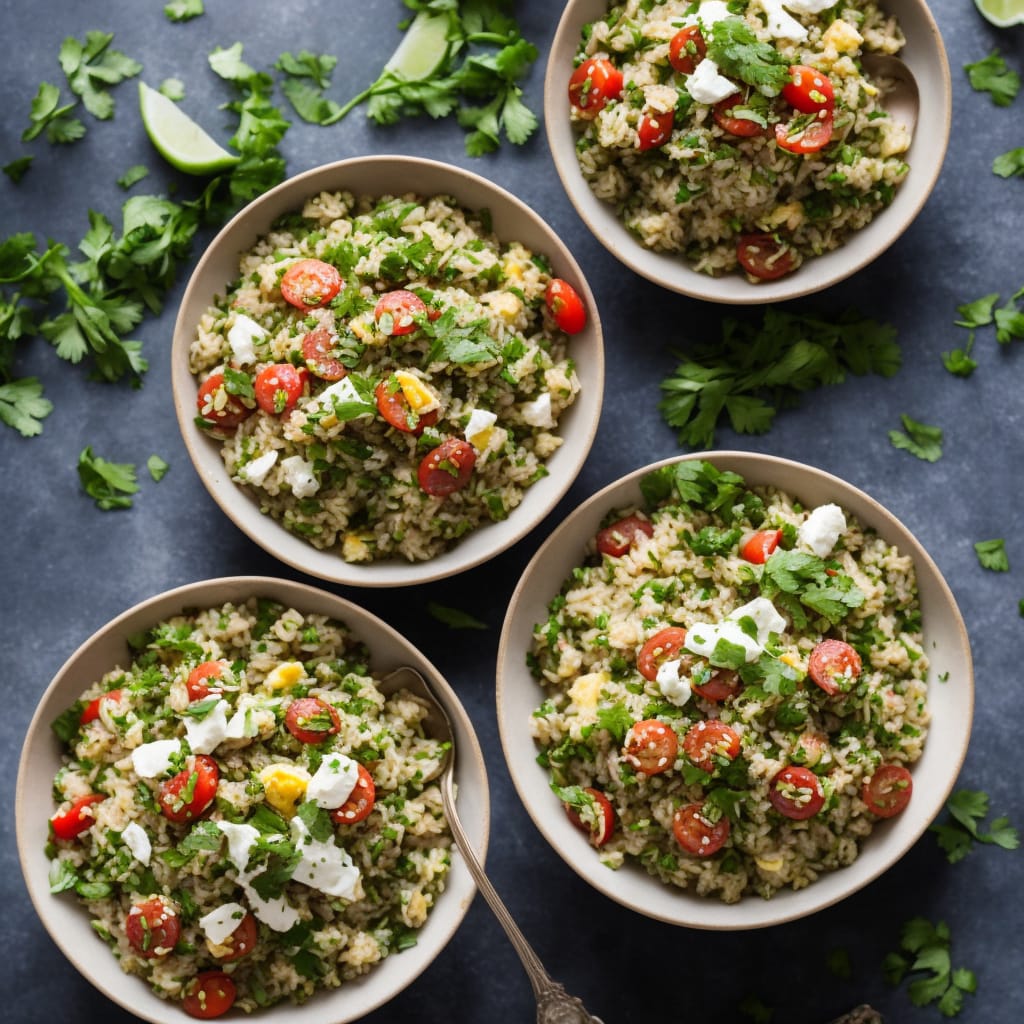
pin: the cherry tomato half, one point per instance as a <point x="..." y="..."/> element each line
<point x="74" y="821"/>
<point x="758" y="546"/>
<point x="764" y="256"/>
<point x="742" y="127"/>
<point x="796" y="793"/>
<point x="695" y="834"/>
<point x="318" y="352"/>
<point x="153" y="927"/>
<point x="447" y="468"/>
<point x="279" y="387"/>
<point x="202" y="676"/>
<point x="216" y="404"/>
<point x="92" y="709"/>
<point x="186" y="796"/>
<point x="834" y="666"/>
<point x="309" y="284"/>
<point x="888" y="791"/>
<point x="360" y="801"/>
<point x="687" y="49"/>
<point x="241" y="942"/>
<point x="664" y="646"/>
<point x="651" y="747"/>
<point x="394" y="407"/>
<point x="721" y="685"/>
<point x="593" y="85"/>
<point x="209" y="994"/>
<point x="618" y="538"/>
<point x="798" y="137"/>
<point x="311" y="720"/>
<point x="808" y="90"/>
<point x="654" y="130"/>
<point x="707" y="740"/>
<point x="566" y="306"/>
<point x="601" y="828"/>
<point x="396" y="311"/>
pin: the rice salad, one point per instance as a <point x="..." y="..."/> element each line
<point x="244" y="815"/>
<point x="386" y="375"/>
<point x="734" y="686"/>
<point x="743" y="136"/>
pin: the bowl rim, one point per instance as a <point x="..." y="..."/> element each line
<point x="510" y="668"/>
<point x="470" y="766"/>
<point x="669" y="270"/>
<point x="578" y="425"/>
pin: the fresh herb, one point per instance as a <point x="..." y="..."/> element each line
<point x="959" y="361"/>
<point x="47" y="113"/>
<point x="756" y="370"/>
<point x="968" y="809"/>
<point x="806" y="577"/>
<point x="1009" y="320"/>
<point x="1007" y="164"/>
<point x="699" y="484"/>
<point x="67" y="724"/>
<point x="616" y="719"/>
<point x="62" y="875"/>
<point x="454" y="617"/>
<point x="183" y="10"/>
<point x="17" y="168"/>
<point x="23" y="407"/>
<point x="133" y="176"/>
<point x="157" y="467"/>
<point x="109" y="484"/>
<point x="740" y="54"/>
<point x="173" y="89"/>
<point x="992" y="554"/>
<point x="317" y="821"/>
<point x="464" y="344"/>
<point x="281" y="864"/>
<point x="991" y="74"/>
<point x="91" y="66"/>
<point x="921" y="439"/>
<point x="755" y="1010"/>
<point x="925" y="948"/>
<point x="307" y="75"/>
<point x="977" y="313"/>
<point x="713" y="540"/>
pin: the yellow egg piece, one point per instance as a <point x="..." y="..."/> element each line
<point x="284" y="786"/>
<point x="285" y="675"/>
<point x="773" y="862"/>
<point x="418" y="394"/>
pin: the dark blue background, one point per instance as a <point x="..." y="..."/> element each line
<point x="68" y="568"/>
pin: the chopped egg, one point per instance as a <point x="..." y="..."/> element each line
<point x="243" y="334"/>
<point x="586" y="691"/>
<point x="221" y="922"/>
<point x="841" y="36"/>
<point x="153" y="759"/>
<point x="324" y="865"/>
<point x="298" y="474"/>
<point x="417" y="393"/>
<point x="702" y="637"/>
<point x="706" y="85"/>
<point x="538" y="412"/>
<point x="822" y="529"/>
<point x="255" y="471"/>
<point x="241" y="839"/>
<point x="205" y="734"/>
<point x="480" y="428"/>
<point x="355" y="549"/>
<point x="780" y="24"/>
<point x="673" y="686"/>
<point x="333" y="781"/>
<point x="136" y="839"/>
<point x="284" y="786"/>
<point x="285" y="675"/>
<point x="769" y="862"/>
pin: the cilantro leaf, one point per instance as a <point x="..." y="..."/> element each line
<point x="184" y="10"/>
<point x="992" y="75"/>
<point x="309" y="103"/>
<point x="453" y="617"/>
<point x="921" y="439"/>
<point x="18" y="168"/>
<point x="46" y="113"/>
<point x="91" y="66"/>
<point x="977" y="313"/>
<point x="959" y="362"/>
<point x="992" y="554"/>
<point x="157" y="467"/>
<point x="616" y="719"/>
<point x="738" y="52"/>
<point x="228" y="64"/>
<point x="1009" y="320"/>
<point x="133" y="176"/>
<point x="1007" y="164"/>
<point x="109" y="484"/>
<point x="23" y="407"/>
<point x="173" y="89"/>
<point x="308" y="65"/>
<point x="968" y="808"/>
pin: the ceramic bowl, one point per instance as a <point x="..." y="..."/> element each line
<point x="924" y="54"/>
<point x="377" y="176"/>
<point x="951" y="699"/>
<point x="68" y="922"/>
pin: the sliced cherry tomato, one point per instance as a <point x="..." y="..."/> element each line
<point x="447" y="468"/>
<point x="664" y="646"/>
<point x="360" y="802"/>
<point x="742" y="127"/>
<point x="617" y="539"/>
<point x="74" y="821"/>
<point x="651" y="747"/>
<point x="153" y="927"/>
<point x="888" y="791"/>
<point x="601" y="828"/>
<point x="796" y="793"/>
<point x="593" y="85"/>
<point x="396" y="311"/>
<point x="695" y="834"/>
<point x="764" y="256"/>
<point x="202" y="676"/>
<point x="311" y="720"/>
<point x="800" y="136"/>
<point x="217" y="405"/>
<point x="687" y="49"/>
<point x="654" y="130"/>
<point x="758" y="546"/>
<point x="722" y="684"/>
<point x="241" y="942"/>
<point x="394" y="407"/>
<point x="811" y="749"/>
<point x="310" y="284"/>
<point x="209" y="994"/>
<point x="808" y="90"/>
<point x="92" y="709"/>
<point x="834" y="666"/>
<point x="279" y="387"/>
<point x="566" y="306"/>
<point x="318" y="350"/>
<point x="705" y="741"/>
<point x="186" y="796"/>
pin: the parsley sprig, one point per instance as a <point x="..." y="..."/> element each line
<point x="991" y="74"/>
<point x="922" y="440"/>
<point x="925" y="950"/>
<point x="992" y="554"/>
<point x="967" y="812"/>
<point x="735" y="48"/>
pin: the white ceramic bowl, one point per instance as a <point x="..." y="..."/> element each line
<point x="951" y="702"/>
<point x="926" y="57"/>
<point x="513" y="220"/>
<point x="68" y="922"/>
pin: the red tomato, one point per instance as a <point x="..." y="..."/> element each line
<point x="279" y="386"/>
<point x="809" y="90"/>
<point x="396" y="311"/>
<point x="723" y="684"/>
<point x="92" y="709"/>
<point x="360" y="802"/>
<point x="708" y="740"/>
<point x="603" y="825"/>
<point x="617" y="539"/>
<point x="888" y="791"/>
<point x="695" y="834"/>
<point x="242" y="940"/>
<point x="566" y="306"/>
<point x="687" y="49"/>
<point x="805" y="138"/>
<point x="394" y="407"/>
<point x="651" y="747"/>
<point x="764" y="256"/>
<point x="200" y="678"/>
<point x="74" y="821"/>
<point x="153" y="927"/>
<point x="311" y="720"/>
<point x="216" y="404"/>
<point x="208" y="995"/>
<point x="834" y="666"/>
<point x="186" y="796"/>
<point x="309" y="284"/>
<point x="758" y="546"/>
<point x="796" y="793"/>
<point x="665" y="645"/>
<point x="742" y="127"/>
<point x="654" y="130"/>
<point x="447" y="468"/>
<point x="318" y="351"/>
<point x="593" y="84"/>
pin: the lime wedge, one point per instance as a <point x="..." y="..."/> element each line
<point x="1002" y="12"/>
<point x="423" y="48"/>
<point x="179" y="140"/>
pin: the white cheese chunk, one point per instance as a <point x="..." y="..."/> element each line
<point x="706" y="85"/>
<point x="136" y="839"/>
<point x="241" y="839"/>
<point x="205" y="734"/>
<point x="333" y="781"/>
<point x="299" y="475"/>
<point x="780" y="24"/>
<point x="703" y="637"/>
<point x="153" y="759"/>
<point x="275" y="913"/>
<point x="324" y="866"/>
<point x="538" y="412"/>
<point x="809" y="6"/>
<point x="255" y="471"/>
<point x="713" y="10"/>
<point x="222" y="922"/>
<point x="822" y="528"/>
<point x="242" y="336"/>
<point x="244" y="723"/>
<point x="340" y="391"/>
<point x="673" y="686"/>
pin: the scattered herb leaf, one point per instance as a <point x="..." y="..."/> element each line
<point x="184" y="10"/>
<point x="925" y="950"/>
<point x="968" y="809"/>
<point x="453" y="617"/>
<point x="1007" y="164"/>
<point x="991" y="74"/>
<point x="109" y="484"/>
<point x="992" y="555"/>
<point x="157" y="467"/>
<point x="921" y="439"/>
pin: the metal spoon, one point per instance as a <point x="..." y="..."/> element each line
<point x="902" y="99"/>
<point x="554" y="1004"/>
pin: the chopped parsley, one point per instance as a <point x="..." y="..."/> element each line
<point x="740" y="54"/>
<point x="967" y="810"/>
<point x="109" y="484"/>
<point x="1010" y="163"/>
<point x="454" y="617"/>
<point x="921" y="439"/>
<point x="925" y="952"/>
<point x="992" y="554"/>
<point x="991" y="74"/>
